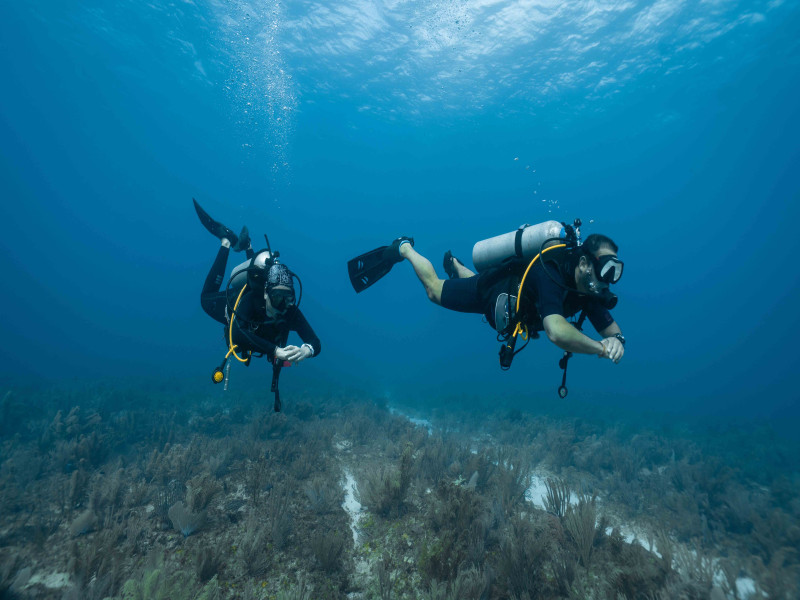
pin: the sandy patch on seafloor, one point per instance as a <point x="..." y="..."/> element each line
<point x="537" y="492"/>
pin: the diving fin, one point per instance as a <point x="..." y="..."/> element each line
<point x="449" y="267"/>
<point x="371" y="266"/>
<point x="368" y="268"/>
<point x="216" y="229"/>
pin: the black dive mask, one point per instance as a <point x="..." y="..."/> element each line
<point x="281" y="299"/>
<point x="280" y="287"/>
<point x="608" y="268"/>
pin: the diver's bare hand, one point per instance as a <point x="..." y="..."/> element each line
<point x="283" y="353"/>
<point x="613" y="349"/>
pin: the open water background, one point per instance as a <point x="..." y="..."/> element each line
<point x="671" y="126"/>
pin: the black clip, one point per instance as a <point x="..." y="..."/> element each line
<point x="507" y="353"/>
<point x="563" y="363"/>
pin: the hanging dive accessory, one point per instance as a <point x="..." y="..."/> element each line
<point x="564" y="362"/>
<point x="276" y="374"/>
<point x="219" y="372"/>
<point x="277" y="365"/>
<point x="227" y="376"/>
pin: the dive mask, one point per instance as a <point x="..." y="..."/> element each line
<point x="598" y="288"/>
<point x="280" y="287"/>
<point x="281" y="299"/>
<point x="608" y="268"/>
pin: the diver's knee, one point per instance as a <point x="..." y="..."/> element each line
<point x="435" y="292"/>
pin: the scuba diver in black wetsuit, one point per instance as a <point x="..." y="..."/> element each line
<point x="517" y="296"/>
<point x="258" y="307"/>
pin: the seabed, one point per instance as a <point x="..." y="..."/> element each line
<point x="121" y="494"/>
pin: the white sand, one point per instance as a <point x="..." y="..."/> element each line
<point x="350" y="504"/>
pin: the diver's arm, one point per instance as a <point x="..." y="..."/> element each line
<point x="306" y="333"/>
<point x="248" y="313"/>
<point x="566" y="337"/>
<point x="254" y="342"/>
<point x="611" y="330"/>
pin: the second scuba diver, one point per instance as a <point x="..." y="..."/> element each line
<point x="258" y="307"/>
<point x="517" y="296"/>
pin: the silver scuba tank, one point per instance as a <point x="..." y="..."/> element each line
<point x="525" y="243"/>
<point x="240" y="276"/>
<point x="239" y="273"/>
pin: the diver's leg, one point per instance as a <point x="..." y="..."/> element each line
<point x="425" y="272"/>
<point x="462" y="271"/>
<point x="212" y="299"/>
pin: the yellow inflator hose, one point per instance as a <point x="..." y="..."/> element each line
<point x="232" y="348"/>
<point x="520" y="328"/>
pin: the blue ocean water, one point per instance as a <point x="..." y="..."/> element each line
<point x="670" y="126"/>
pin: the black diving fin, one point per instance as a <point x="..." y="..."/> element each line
<point x="371" y="266"/>
<point x="368" y="268"/>
<point x="216" y="229"/>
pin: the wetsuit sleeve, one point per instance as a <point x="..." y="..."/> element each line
<point x="303" y="329"/>
<point x="599" y="316"/>
<point x="254" y="342"/>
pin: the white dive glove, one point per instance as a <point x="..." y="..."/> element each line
<point x="294" y="354"/>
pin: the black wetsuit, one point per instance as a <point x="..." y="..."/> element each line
<point x="542" y="296"/>
<point x="252" y="329"/>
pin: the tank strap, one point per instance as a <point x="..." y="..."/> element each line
<point x="518" y="241"/>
